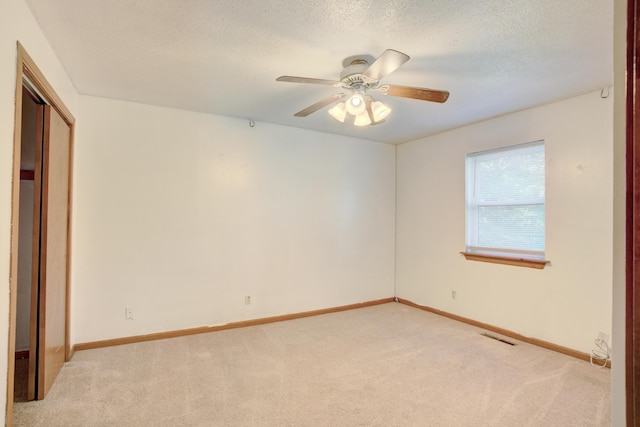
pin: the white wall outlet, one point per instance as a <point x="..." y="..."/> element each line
<point x="128" y="313"/>
<point x="247" y="300"/>
<point x="454" y="294"/>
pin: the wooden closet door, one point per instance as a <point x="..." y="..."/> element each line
<point x="53" y="249"/>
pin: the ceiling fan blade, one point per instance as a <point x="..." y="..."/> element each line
<point x="388" y="62"/>
<point x="318" y="105"/>
<point x="422" y="94"/>
<point x="294" y="79"/>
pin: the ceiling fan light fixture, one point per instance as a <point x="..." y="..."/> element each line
<point x="379" y="110"/>
<point x="355" y="104"/>
<point x="339" y="112"/>
<point x="357" y="78"/>
<point x="362" y="119"/>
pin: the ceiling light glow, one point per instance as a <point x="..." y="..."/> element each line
<point x="356" y="105"/>
<point x="339" y="112"/>
<point x="365" y="110"/>
<point x="362" y="119"/>
<point x="379" y="110"/>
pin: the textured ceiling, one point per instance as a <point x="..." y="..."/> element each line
<point x="223" y="57"/>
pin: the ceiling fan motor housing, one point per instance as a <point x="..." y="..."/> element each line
<point x="352" y="78"/>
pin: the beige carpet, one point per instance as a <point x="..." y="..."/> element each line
<point x="388" y="365"/>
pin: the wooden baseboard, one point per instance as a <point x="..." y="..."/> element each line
<point x="234" y="325"/>
<point x="71" y="349"/>
<point x="261" y="321"/>
<point x="505" y="332"/>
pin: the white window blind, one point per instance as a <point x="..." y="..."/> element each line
<point x="505" y="201"/>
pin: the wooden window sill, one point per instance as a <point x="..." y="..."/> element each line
<point x="519" y="262"/>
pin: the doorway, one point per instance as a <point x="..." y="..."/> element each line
<point x="28" y="244"/>
<point x="40" y="236"/>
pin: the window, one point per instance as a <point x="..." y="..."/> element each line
<point x="505" y="201"/>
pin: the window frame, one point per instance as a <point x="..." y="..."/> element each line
<point x="512" y="256"/>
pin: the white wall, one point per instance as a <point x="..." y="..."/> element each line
<point x="17" y="23"/>
<point x="567" y="303"/>
<point x="179" y="215"/>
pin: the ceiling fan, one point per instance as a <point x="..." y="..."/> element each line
<point x="358" y="80"/>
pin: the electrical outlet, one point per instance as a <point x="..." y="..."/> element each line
<point x="247" y="300"/>
<point x="454" y="294"/>
<point x="128" y="313"/>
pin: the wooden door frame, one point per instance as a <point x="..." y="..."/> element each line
<point x="27" y="68"/>
<point x="632" y="305"/>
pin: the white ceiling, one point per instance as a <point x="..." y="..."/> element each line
<point x="222" y="57"/>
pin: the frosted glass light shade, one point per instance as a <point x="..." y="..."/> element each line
<point x="338" y="112"/>
<point x="362" y="119"/>
<point x="355" y="104"/>
<point x="379" y="110"/>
